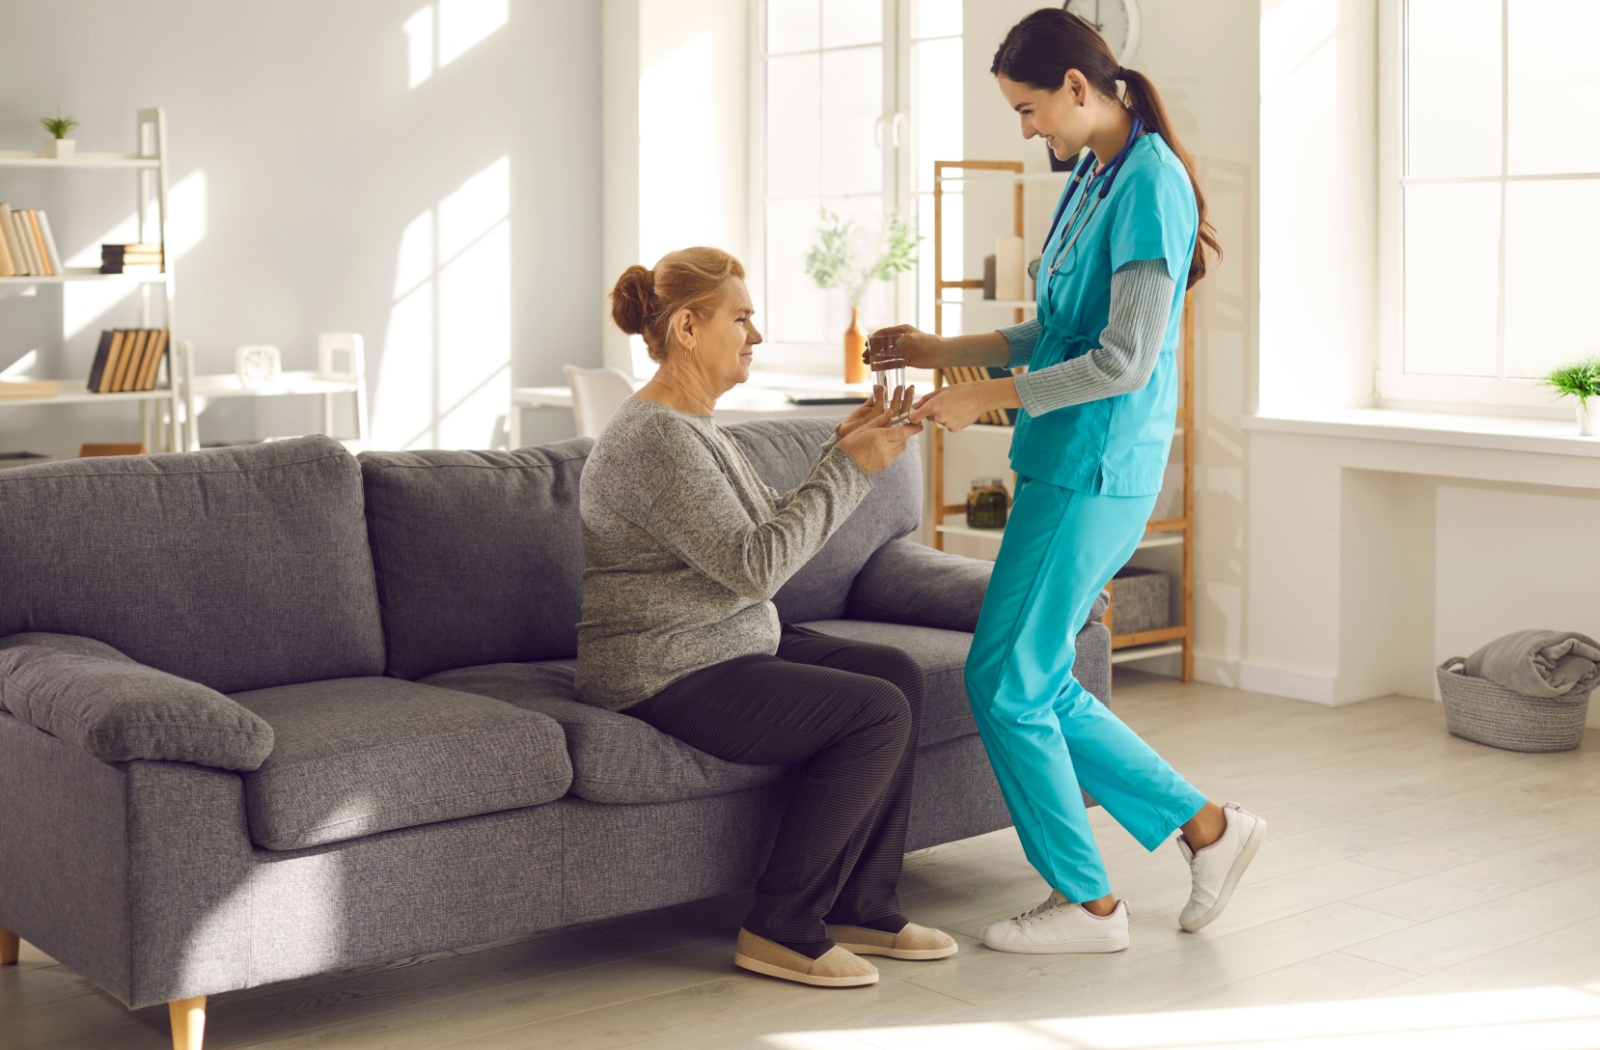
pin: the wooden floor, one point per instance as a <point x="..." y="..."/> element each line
<point x="1415" y="891"/>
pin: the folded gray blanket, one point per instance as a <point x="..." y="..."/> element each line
<point x="1539" y="663"/>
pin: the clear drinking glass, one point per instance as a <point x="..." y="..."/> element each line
<point x="888" y="362"/>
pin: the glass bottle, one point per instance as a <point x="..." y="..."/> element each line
<point x="987" y="504"/>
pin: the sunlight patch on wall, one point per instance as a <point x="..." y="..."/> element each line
<point x="441" y="32"/>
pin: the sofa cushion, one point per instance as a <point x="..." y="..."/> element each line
<point x="355" y="756"/>
<point x="615" y="757"/>
<point x="479" y="555"/>
<point x="783" y="451"/>
<point x="86" y="693"/>
<point x="236" y="568"/>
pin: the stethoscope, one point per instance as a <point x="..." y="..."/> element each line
<point x="1084" y="176"/>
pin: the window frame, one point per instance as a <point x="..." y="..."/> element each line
<point x="896" y="126"/>
<point x="1393" y="386"/>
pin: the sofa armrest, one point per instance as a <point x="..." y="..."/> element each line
<point x="905" y="582"/>
<point x="90" y="695"/>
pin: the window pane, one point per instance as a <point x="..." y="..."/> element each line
<point x="792" y="25"/>
<point x="935" y="18"/>
<point x="794" y="126"/>
<point x="849" y="22"/>
<point x="852" y="102"/>
<point x="1554" y="52"/>
<point x="1452" y="279"/>
<point x="795" y="305"/>
<point x="1550" y="284"/>
<point x="936" y="105"/>
<point x="1452" y="87"/>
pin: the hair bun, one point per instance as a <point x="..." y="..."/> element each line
<point x="630" y="299"/>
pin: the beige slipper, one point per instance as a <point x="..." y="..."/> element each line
<point x="913" y="942"/>
<point x="838" y="968"/>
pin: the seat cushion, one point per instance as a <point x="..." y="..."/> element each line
<point x="355" y="756"/>
<point x="479" y="555"/>
<point x="941" y="654"/>
<point x="238" y="568"/>
<point x="615" y="757"/>
<point x="783" y="451"/>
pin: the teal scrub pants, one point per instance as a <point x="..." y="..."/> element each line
<point x="1047" y="735"/>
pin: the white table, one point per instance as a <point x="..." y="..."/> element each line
<point x="765" y="396"/>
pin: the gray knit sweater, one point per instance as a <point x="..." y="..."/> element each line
<point x="684" y="547"/>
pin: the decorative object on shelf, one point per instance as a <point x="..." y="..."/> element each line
<point x="987" y="504"/>
<point x="990" y="279"/>
<point x="1139" y="601"/>
<point x="1115" y="20"/>
<point x="58" y="145"/>
<point x="258" y="366"/>
<point x="91" y="450"/>
<point x="840" y="259"/>
<point x="1008" y="263"/>
<point x="1581" y="380"/>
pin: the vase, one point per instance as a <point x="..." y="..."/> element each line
<point x="855" y="344"/>
<point x="60" y="149"/>
<point x="1589" y="417"/>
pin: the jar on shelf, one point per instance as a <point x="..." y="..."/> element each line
<point x="987" y="504"/>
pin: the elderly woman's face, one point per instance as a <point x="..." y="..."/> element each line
<point x="728" y="338"/>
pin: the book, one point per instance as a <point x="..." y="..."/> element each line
<point x="8" y="230"/>
<point x="113" y="355"/>
<point x="138" y="248"/>
<point x="152" y="361"/>
<point x="50" y="243"/>
<point x="19" y="230"/>
<point x="8" y="265"/>
<point x="40" y="251"/>
<point x="131" y="448"/>
<point x="99" y="366"/>
<point x="147" y="349"/>
<point x="132" y="349"/>
<point x="17" y="389"/>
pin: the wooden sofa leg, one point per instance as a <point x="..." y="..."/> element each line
<point x="10" y="947"/>
<point x="188" y="1023"/>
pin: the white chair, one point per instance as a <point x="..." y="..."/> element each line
<point x="597" y="393"/>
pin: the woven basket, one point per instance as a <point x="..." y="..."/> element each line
<point x="1478" y="709"/>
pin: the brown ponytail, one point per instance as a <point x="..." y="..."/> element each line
<point x="1040" y="49"/>
<point x="643" y="302"/>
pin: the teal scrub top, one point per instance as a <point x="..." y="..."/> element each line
<point x="1112" y="446"/>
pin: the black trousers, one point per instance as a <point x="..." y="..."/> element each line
<point x="850" y="712"/>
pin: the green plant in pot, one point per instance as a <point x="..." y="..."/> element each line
<point x="850" y="259"/>
<point x="58" y="145"/>
<point x="1581" y="380"/>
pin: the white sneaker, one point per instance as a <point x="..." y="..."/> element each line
<point x="1218" y="867"/>
<point x="1059" y="926"/>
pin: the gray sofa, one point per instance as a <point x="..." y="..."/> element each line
<point x="275" y="711"/>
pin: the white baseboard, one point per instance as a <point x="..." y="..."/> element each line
<point x="1216" y="670"/>
<point x="1291" y="685"/>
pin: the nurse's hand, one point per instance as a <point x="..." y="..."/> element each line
<point x="876" y="443"/>
<point x="922" y="349"/>
<point x="963" y="404"/>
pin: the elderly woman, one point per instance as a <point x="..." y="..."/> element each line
<point x="685" y="547"/>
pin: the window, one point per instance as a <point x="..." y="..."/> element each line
<point x="853" y="101"/>
<point x="1490" y="183"/>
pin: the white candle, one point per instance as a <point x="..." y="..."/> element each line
<point x="1008" y="268"/>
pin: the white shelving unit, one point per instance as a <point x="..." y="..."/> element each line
<point x="164" y="411"/>
<point x="332" y="379"/>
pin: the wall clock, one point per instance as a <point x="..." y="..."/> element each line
<point x="1116" y="20"/>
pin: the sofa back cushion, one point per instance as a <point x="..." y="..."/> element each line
<point x="783" y="451"/>
<point x="479" y="555"/>
<point x="238" y="568"/>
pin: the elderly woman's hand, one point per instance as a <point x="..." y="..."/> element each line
<point x="876" y="443"/>
<point x="876" y="404"/>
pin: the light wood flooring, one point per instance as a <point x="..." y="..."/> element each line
<point x="1415" y="891"/>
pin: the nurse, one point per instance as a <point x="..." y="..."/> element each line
<point x="1097" y="407"/>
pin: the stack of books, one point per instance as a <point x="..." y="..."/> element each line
<point x="25" y="389"/>
<point x="121" y="258"/>
<point x="27" y="248"/>
<point x="128" y="359"/>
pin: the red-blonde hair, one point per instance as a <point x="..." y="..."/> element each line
<point x="644" y="302"/>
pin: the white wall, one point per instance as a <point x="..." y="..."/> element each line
<point x="425" y="172"/>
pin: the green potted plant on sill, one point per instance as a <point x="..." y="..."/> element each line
<point x="840" y="259"/>
<point x="58" y="145"/>
<point x="1581" y="380"/>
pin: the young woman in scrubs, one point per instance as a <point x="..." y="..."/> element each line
<point x="1097" y="407"/>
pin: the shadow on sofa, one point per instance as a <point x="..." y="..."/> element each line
<point x="275" y="711"/>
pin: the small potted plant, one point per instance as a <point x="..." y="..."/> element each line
<point x="843" y="259"/>
<point x="58" y="145"/>
<point x="1581" y="380"/>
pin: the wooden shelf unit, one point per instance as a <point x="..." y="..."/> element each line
<point x="1169" y="641"/>
<point x="165" y="411"/>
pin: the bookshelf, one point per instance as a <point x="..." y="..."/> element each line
<point x="950" y="518"/>
<point x="166" y="418"/>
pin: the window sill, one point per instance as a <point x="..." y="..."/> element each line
<point x="1504" y="433"/>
